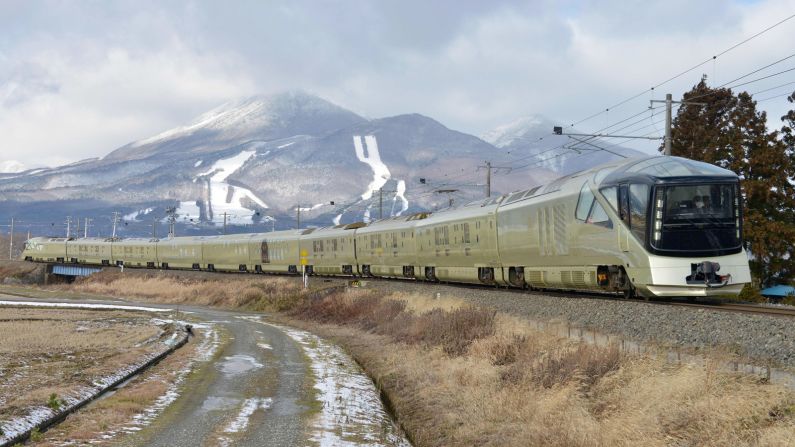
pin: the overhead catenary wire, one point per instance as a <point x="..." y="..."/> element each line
<point x="680" y="74"/>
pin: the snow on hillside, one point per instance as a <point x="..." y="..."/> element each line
<point x="11" y="167"/>
<point x="235" y="201"/>
<point x="515" y="131"/>
<point x="381" y="176"/>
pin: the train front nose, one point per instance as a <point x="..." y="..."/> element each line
<point x="693" y="277"/>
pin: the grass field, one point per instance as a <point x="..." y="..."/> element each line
<point x="229" y="291"/>
<point x="47" y="355"/>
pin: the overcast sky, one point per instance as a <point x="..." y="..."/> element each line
<point x="78" y="79"/>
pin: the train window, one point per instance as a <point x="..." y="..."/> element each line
<point x="584" y="203"/>
<point x="638" y="204"/>
<point x="611" y="194"/>
<point x="598" y="216"/>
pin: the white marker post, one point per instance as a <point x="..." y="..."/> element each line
<point x="304" y="262"/>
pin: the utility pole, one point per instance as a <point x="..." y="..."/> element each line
<point x="11" y="243"/>
<point x="224" y="222"/>
<point x="116" y="219"/>
<point x="669" y="102"/>
<point x="85" y="226"/>
<point x="298" y="216"/>
<point x="77" y="232"/>
<point x="154" y="228"/>
<point x="668" y="112"/>
<point x="172" y="219"/>
<point x="68" y="227"/>
<point x="449" y="193"/>
<point x="488" y="167"/>
<point x="381" y="192"/>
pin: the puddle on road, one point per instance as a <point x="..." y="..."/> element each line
<point x="674" y="356"/>
<point x="239" y="364"/>
<point x="217" y="403"/>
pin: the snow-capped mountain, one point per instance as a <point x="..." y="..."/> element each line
<point x="255" y="161"/>
<point x="532" y="143"/>
<point x="11" y="167"/>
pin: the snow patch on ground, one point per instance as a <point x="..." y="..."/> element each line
<point x="265" y="346"/>
<point x="198" y="163"/>
<point x="249" y="407"/>
<point x="80" y="306"/>
<point x="286" y="145"/>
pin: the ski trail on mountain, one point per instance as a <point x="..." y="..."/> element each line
<point x="381" y="176"/>
<point x="222" y="196"/>
<point x="373" y="159"/>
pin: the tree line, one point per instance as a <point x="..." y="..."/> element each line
<point x="726" y="129"/>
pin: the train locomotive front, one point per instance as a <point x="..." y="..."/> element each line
<point x="681" y="227"/>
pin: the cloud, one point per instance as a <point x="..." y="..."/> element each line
<point x="79" y="80"/>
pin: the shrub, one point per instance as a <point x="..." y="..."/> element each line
<point x="53" y="402"/>
<point x="35" y="435"/>
<point x="453" y="330"/>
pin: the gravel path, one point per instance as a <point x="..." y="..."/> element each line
<point x="759" y="337"/>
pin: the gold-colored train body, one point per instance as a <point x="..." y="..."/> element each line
<point x="585" y="231"/>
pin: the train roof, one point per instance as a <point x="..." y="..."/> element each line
<point x="393" y="223"/>
<point x="664" y="168"/>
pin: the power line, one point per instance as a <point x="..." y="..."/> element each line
<point x="773" y="88"/>
<point x="672" y="78"/>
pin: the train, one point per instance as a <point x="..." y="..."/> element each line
<point x="649" y="227"/>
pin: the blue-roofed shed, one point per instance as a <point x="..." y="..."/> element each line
<point x="778" y="292"/>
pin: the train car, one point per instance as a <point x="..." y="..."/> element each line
<point x="330" y="251"/>
<point x="181" y="253"/>
<point x="555" y="235"/>
<point x="388" y="247"/>
<point x="230" y="253"/>
<point x="460" y="244"/>
<point x="635" y="227"/>
<point x="279" y="251"/>
<point x="134" y="252"/>
<point x="92" y="250"/>
<point x="45" y="249"/>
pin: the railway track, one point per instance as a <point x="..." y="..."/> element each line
<point x="740" y="307"/>
<point x="723" y="306"/>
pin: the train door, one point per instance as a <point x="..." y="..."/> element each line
<point x="623" y="212"/>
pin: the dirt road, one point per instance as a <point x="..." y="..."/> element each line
<point x="263" y="384"/>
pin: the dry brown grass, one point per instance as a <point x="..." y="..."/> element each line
<point x="49" y="351"/>
<point x="112" y="413"/>
<point x="453" y="330"/>
<point x="20" y="271"/>
<point x="272" y="294"/>
<point x="517" y="386"/>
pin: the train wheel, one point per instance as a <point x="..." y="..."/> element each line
<point x="629" y="291"/>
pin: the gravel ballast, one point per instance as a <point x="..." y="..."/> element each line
<point x="758" y="337"/>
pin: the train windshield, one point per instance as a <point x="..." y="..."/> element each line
<point x="704" y="219"/>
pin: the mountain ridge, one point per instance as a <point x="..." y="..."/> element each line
<point x="283" y="150"/>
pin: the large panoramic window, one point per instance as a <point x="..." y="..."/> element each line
<point x="697" y="218"/>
